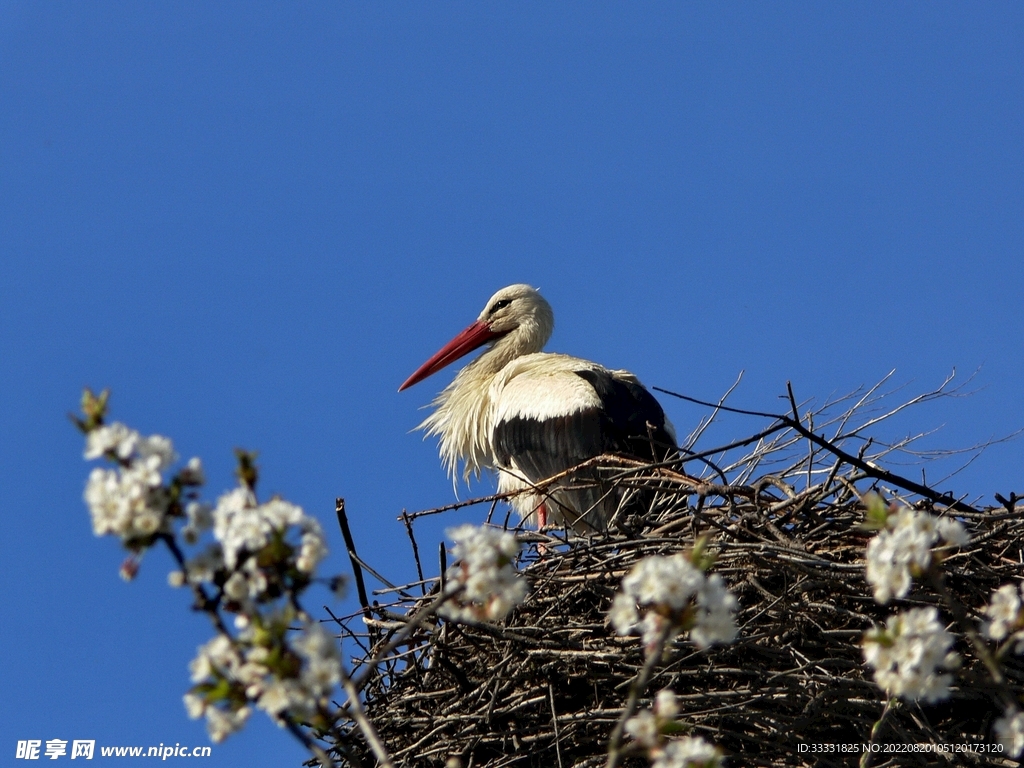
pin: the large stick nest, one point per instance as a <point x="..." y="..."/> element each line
<point x="784" y="513"/>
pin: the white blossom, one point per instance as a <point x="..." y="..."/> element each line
<point x="115" y="438"/>
<point x="660" y="585"/>
<point x="687" y="752"/>
<point x="157" y="451"/>
<point x="143" y="474"/>
<point x="234" y="661"/>
<point x="484" y="583"/>
<point x="219" y="656"/>
<point x="908" y="654"/>
<point x="1009" y="731"/>
<point x="623" y="614"/>
<point x="239" y="525"/>
<point x="283" y="695"/>
<point x="715" y="608"/>
<point x="126" y="444"/>
<point x="1005" y="614"/>
<point x="312" y="550"/>
<point x="222" y="723"/>
<point x="666" y="581"/>
<point x="110" y="509"/>
<point x="648" y="726"/>
<point x="953" y="532"/>
<point x="244" y="527"/>
<point x="903" y="549"/>
<point x="643" y="727"/>
<point x="195" y="705"/>
<point x="252" y="674"/>
<point x="245" y="583"/>
<point x="283" y="513"/>
<point x="665" y="705"/>
<point x="121" y="501"/>
<point x="322" y="670"/>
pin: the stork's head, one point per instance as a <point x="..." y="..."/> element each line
<point x="517" y="318"/>
<point x="519" y="308"/>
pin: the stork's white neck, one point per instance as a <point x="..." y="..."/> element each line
<point x="463" y="416"/>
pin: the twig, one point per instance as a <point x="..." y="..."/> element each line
<point x="876" y="729"/>
<point x="554" y="724"/>
<point x="636" y="688"/>
<point x="415" y="550"/>
<point x="871" y="470"/>
<point x="350" y="546"/>
<point x="355" y="707"/>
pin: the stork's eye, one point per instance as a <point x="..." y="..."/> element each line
<point x="500" y="305"/>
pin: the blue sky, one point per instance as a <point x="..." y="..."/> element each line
<point x="253" y="221"/>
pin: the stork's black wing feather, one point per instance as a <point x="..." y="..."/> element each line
<point x="630" y="421"/>
<point x="544" y="447"/>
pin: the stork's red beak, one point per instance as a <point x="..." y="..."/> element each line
<point x="478" y="334"/>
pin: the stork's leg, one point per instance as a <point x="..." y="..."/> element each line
<point x="542" y="516"/>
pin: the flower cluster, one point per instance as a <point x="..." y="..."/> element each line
<point x="688" y="752"/>
<point x="260" y="667"/>
<point x="130" y="500"/>
<point x="651" y="727"/>
<point x="1006" y="615"/>
<point x="262" y="559"/>
<point x="903" y="547"/>
<point x="256" y="557"/>
<point x="484" y="584"/>
<point x="1009" y="731"/>
<point x="244" y="527"/>
<point x="908" y="653"/>
<point x="671" y="594"/>
<point x="218" y="671"/>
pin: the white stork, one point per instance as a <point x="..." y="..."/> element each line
<point x="532" y="415"/>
